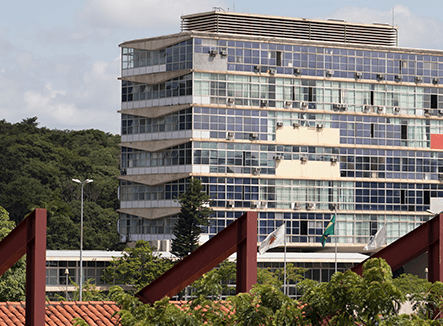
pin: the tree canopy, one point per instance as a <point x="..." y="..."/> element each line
<point x="194" y="213"/>
<point x="37" y="166"/>
<point x="137" y="267"/>
<point x="13" y="281"/>
<point x="348" y="299"/>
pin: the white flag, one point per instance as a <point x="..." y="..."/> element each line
<point x="378" y="240"/>
<point x="273" y="240"/>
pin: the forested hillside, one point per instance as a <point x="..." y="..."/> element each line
<point x="37" y="166"/>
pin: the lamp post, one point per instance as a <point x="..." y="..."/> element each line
<point x="81" y="235"/>
<point x="67" y="276"/>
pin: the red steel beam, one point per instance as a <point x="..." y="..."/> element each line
<point x="428" y="237"/>
<point x="29" y="237"/>
<point x="246" y="253"/>
<point x="240" y="235"/>
<point x="36" y="268"/>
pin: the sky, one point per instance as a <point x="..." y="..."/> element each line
<point x="60" y="60"/>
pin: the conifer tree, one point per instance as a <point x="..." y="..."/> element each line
<point x="194" y="215"/>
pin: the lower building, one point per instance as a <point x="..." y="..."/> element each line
<point x="63" y="270"/>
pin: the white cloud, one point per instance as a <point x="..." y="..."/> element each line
<point x="140" y="14"/>
<point x="414" y="31"/>
<point x="73" y="96"/>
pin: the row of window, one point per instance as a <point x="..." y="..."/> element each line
<point x="300" y="227"/>
<point x="295" y="194"/>
<point x="322" y="61"/>
<point x="252" y="91"/>
<point x="175" y="57"/>
<point x="180" y="86"/>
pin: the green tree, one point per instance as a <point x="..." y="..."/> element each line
<point x="36" y="170"/>
<point x="138" y="266"/>
<point x="194" y="214"/>
<point x="13" y="281"/>
<point x="349" y="298"/>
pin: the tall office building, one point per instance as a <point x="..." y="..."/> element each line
<point x="293" y="118"/>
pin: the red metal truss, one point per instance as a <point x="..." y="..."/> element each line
<point x="29" y="237"/>
<point x="428" y="237"/>
<point x="240" y="236"/>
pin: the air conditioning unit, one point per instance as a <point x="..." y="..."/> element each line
<point x="311" y="206"/>
<point x="304" y="159"/>
<point x="397" y="110"/>
<point x="288" y="104"/>
<point x="223" y="53"/>
<point x="358" y="75"/>
<point x="435" y="80"/>
<point x="167" y="154"/>
<point x="333" y="206"/>
<point x="263" y="204"/>
<point x="271" y="71"/>
<point x="231" y="101"/>
<point x="334" y="159"/>
<point x="296" y="206"/>
<point x="427" y="112"/>
<point x="253" y="135"/>
<point x="256" y="171"/>
<point x="297" y="71"/>
<point x="329" y="73"/>
<point x="230" y="135"/>
<point x="295" y="125"/>
<point x="278" y="157"/>
<point x="367" y="109"/>
<point x="263" y="103"/>
<point x="254" y="204"/>
<point x="230" y="204"/>
<point x="123" y="171"/>
<point x="257" y="68"/>
<point x="304" y="105"/>
<point x="212" y="53"/>
<point x="418" y="79"/>
<point x="343" y="107"/>
<point x="440" y="176"/>
<point x="279" y="124"/>
<point x="320" y="126"/>
<point x="380" y="76"/>
<point x="440" y="112"/>
<point x="398" y="77"/>
<point x="381" y="109"/>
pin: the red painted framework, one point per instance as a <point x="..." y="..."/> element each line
<point x="428" y="237"/>
<point x="240" y="236"/>
<point x="29" y="238"/>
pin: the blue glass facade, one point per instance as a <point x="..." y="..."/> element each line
<point x="288" y="129"/>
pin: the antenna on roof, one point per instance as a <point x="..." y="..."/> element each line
<point x="393" y="12"/>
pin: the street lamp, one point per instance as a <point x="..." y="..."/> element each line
<point x="81" y="234"/>
<point x="67" y="277"/>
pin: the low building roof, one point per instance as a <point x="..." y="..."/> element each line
<point x="95" y="313"/>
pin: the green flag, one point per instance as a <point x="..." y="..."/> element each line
<point x="329" y="231"/>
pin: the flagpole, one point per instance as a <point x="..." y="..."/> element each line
<point x="336" y="235"/>
<point x="284" y="286"/>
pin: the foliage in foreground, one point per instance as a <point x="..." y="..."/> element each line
<point x="348" y="299"/>
<point x="13" y="281"/>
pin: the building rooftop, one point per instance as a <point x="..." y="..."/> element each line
<point x="87" y="255"/>
<point x="95" y="313"/>
<point x="293" y="28"/>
